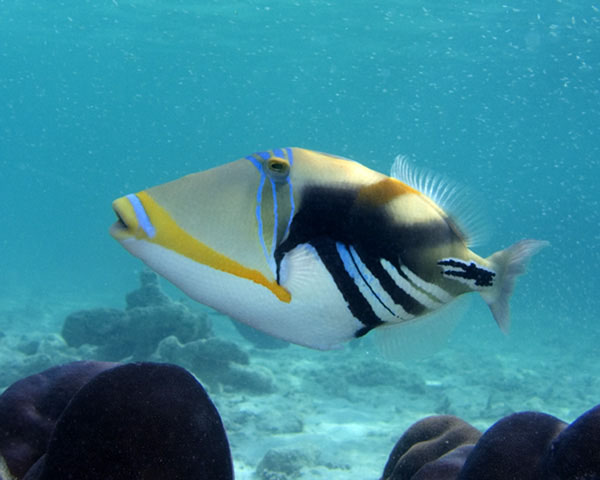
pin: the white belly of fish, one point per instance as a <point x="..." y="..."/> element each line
<point x="317" y="315"/>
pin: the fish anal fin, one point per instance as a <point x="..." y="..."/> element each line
<point x="422" y="337"/>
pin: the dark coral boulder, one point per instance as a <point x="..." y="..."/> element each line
<point x="30" y="408"/>
<point x="425" y="442"/>
<point x="513" y="448"/>
<point x="575" y="453"/>
<point x="447" y="467"/>
<point x="521" y="446"/>
<point x="140" y="420"/>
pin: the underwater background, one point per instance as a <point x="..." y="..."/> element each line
<point x="102" y="98"/>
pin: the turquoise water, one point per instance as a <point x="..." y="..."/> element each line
<point x="98" y="99"/>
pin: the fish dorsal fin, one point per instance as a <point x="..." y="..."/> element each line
<point x="461" y="205"/>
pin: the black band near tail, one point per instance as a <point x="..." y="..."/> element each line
<point x="469" y="271"/>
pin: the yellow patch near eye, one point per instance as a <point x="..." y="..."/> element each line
<point x="172" y="236"/>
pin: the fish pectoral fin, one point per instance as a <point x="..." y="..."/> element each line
<point x="299" y="268"/>
<point x="508" y="265"/>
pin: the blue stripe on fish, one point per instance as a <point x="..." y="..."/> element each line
<point x="275" y="224"/>
<point x="358" y="305"/>
<point x="279" y="153"/>
<point x="292" y="209"/>
<point x="345" y="256"/>
<point x="368" y="277"/>
<point x="141" y="215"/>
<point x="255" y="162"/>
<point x="398" y="295"/>
<point x="290" y="155"/>
<point x="351" y="263"/>
<point x="259" y="192"/>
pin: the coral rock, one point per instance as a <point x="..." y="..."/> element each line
<point x="426" y="441"/>
<point x="98" y="326"/>
<point x="138" y="420"/>
<point x="135" y="333"/>
<point x="217" y="363"/>
<point x="30" y="408"/>
<point x="149" y="294"/>
<point x="285" y="463"/>
<point x="447" y="467"/>
<point x="512" y="448"/>
<point x="575" y="452"/>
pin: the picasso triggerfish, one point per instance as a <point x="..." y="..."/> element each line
<point x="313" y="248"/>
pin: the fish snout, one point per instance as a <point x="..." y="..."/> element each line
<point x="132" y="219"/>
<point x="126" y="224"/>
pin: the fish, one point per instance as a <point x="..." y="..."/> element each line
<point x="314" y="248"/>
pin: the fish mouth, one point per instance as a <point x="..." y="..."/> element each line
<point x="126" y="224"/>
<point x="120" y="224"/>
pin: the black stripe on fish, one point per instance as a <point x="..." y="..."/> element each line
<point x="331" y="214"/>
<point x="398" y="294"/>
<point x="358" y="262"/>
<point x="460" y="269"/>
<point x="357" y="303"/>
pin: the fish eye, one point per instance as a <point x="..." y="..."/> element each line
<point x="278" y="168"/>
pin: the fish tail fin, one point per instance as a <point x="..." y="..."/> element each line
<point x="508" y="265"/>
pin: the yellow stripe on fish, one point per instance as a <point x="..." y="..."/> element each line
<point x="313" y="248"/>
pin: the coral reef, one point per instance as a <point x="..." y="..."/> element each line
<point x="135" y="332"/>
<point x="218" y="363"/>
